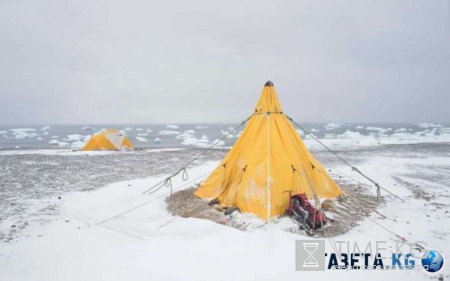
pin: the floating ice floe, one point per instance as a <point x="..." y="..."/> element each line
<point x="359" y="127"/>
<point x="139" y="129"/>
<point x="427" y="125"/>
<point x="314" y="130"/>
<point x="333" y="126"/>
<point x="402" y="136"/>
<point x="149" y="131"/>
<point x="189" y="138"/>
<point x="300" y="132"/>
<point x="157" y="140"/>
<point x="128" y="129"/>
<point x="373" y="129"/>
<point x="63" y="144"/>
<point x="77" y="145"/>
<point x="25" y="136"/>
<point x="378" y="136"/>
<point x="201" y="127"/>
<point x="188" y="134"/>
<point x="55" y="137"/>
<point x="45" y="128"/>
<point x="19" y="130"/>
<point x="74" y="137"/>
<point x="349" y="135"/>
<point x="203" y="141"/>
<point x="39" y="138"/>
<point x="45" y="133"/>
<point x="142" y="134"/>
<point x="58" y="143"/>
<point x="141" y="139"/>
<point x="172" y="126"/>
<point x="218" y="142"/>
<point x="426" y="134"/>
<point x="86" y="128"/>
<point x="378" y="129"/>
<point x="23" y="133"/>
<point x="167" y="132"/>
<point x="224" y="132"/>
<point x="228" y="133"/>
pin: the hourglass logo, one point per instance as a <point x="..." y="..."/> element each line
<point x="310" y="255"/>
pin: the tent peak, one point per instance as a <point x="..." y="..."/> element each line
<point x="268" y="102"/>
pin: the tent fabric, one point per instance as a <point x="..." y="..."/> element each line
<point x="108" y="140"/>
<point x="267" y="164"/>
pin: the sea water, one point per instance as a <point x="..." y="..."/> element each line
<point x="205" y="135"/>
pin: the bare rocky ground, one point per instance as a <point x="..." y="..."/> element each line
<point x="31" y="184"/>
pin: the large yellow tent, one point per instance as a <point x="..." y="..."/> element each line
<point x="267" y="163"/>
<point x="108" y="140"/>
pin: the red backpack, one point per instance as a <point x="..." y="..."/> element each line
<point x="303" y="212"/>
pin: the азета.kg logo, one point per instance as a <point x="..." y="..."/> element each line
<point x="311" y="256"/>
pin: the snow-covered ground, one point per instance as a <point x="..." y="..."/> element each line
<point x="63" y="240"/>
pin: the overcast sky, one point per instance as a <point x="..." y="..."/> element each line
<point x="84" y="62"/>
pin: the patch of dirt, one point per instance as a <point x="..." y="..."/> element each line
<point x="351" y="209"/>
<point x="186" y="205"/>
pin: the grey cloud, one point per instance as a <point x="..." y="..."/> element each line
<point x="204" y="61"/>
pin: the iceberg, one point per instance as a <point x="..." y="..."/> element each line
<point x="74" y="137"/>
<point x="350" y="135"/>
<point x="45" y="128"/>
<point x="77" y="145"/>
<point x="427" y="125"/>
<point x="141" y="139"/>
<point x="165" y="132"/>
<point x="188" y="134"/>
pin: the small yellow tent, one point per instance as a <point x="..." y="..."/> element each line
<point x="266" y="163"/>
<point x="108" y="140"/>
